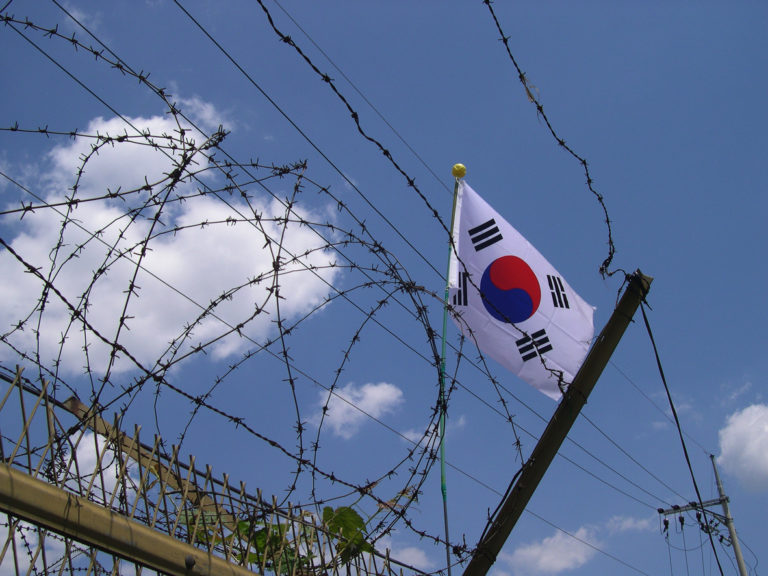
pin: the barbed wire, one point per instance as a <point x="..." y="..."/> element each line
<point x="410" y="181"/>
<point x="532" y="96"/>
<point x="126" y="69"/>
<point x="373" y="279"/>
<point x="176" y="352"/>
<point x="190" y="164"/>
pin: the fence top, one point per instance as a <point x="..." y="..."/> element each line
<point x="72" y="447"/>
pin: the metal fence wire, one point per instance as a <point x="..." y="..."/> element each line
<point x="78" y="495"/>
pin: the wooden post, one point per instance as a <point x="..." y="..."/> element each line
<point x="558" y="427"/>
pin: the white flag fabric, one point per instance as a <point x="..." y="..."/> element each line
<point x="511" y="302"/>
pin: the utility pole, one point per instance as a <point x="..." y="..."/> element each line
<point x="729" y="521"/>
<point x="725" y="517"/>
<point x="559" y="425"/>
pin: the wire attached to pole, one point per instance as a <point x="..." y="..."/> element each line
<point x="679" y="428"/>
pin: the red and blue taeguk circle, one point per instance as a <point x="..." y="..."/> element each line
<point x="511" y="291"/>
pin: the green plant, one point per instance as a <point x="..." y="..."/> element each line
<point x="349" y="526"/>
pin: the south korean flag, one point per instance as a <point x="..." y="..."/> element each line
<point x="511" y="302"/>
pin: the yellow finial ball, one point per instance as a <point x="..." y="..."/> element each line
<point x="459" y="171"/>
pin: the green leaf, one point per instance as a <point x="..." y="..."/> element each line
<point x="346" y="522"/>
<point x="343" y="520"/>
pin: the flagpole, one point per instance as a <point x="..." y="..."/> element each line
<point x="458" y="171"/>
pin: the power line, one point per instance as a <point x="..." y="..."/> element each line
<point x="287" y="364"/>
<point x="677" y="423"/>
<point x="365" y="98"/>
<point x="114" y="111"/>
<point x="500" y="414"/>
<point x="658" y="408"/>
<point x="142" y="77"/>
<point x="539" y="108"/>
<point x="288" y="40"/>
<point x="306" y="137"/>
<point x="628" y="455"/>
<point x="590" y="545"/>
<point x="91" y="91"/>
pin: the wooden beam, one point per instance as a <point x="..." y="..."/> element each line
<point x="65" y="513"/>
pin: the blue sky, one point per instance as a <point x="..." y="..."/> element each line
<point x="666" y="103"/>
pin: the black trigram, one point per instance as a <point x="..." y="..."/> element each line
<point x="533" y="345"/>
<point x="460" y="298"/>
<point x="485" y="234"/>
<point x="559" y="299"/>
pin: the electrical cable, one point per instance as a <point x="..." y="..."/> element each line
<point x="306" y="137"/>
<point x="589" y="544"/>
<point x="657" y="407"/>
<point x="677" y="423"/>
<point x="628" y="455"/>
<point x="81" y="84"/>
<point x="92" y="92"/>
<point x="429" y="169"/>
<point x="364" y="97"/>
<point x="501" y="414"/>
<point x="241" y="69"/>
<point x="114" y="111"/>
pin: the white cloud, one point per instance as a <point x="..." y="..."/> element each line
<point x="114" y="166"/>
<point x="410" y="555"/>
<point x="92" y="19"/>
<point x="685" y="406"/>
<point x="352" y="405"/>
<point x="734" y="392"/>
<point x="620" y="524"/>
<point x="26" y="544"/>
<point x="204" y="114"/>
<point x="98" y="466"/>
<point x="420" y="436"/>
<point x="415" y="557"/>
<point x="552" y="555"/>
<point x="199" y="262"/>
<point x="744" y="446"/>
<point x="57" y="554"/>
<point x="562" y="552"/>
<point x="457" y="424"/>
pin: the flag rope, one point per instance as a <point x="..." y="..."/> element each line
<point x="458" y="172"/>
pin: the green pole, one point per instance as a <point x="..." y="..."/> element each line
<point x="458" y="172"/>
